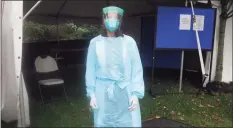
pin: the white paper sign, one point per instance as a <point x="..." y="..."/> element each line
<point x="200" y="19"/>
<point x="185" y="22"/>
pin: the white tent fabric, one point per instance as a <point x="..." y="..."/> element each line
<point x="84" y="11"/>
<point x="23" y="109"/>
<point x="13" y="92"/>
<point x="9" y="88"/>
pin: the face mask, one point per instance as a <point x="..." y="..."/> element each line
<point x="112" y="24"/>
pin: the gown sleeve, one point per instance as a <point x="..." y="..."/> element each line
<point x="90" y="76"/>
<point x="137" y="73"/>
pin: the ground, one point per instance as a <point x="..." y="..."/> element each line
<point x="199" y="111"/>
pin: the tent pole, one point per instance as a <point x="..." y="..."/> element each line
<point x="1" y="57"/>
<point x="57" y="20"/>
<point x="182" y="62"/>
<point x="181" y="70"/>
<point x="22" y="94"/>
<point x="153" y="68"/>
<point x="37" y="3"/>
<point x="204" y="74"/>
<point x="58" y="39"/>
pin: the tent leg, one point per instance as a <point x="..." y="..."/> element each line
<point x="181" y="70"/>
<point x="64" y="89"/>
<point x="152" y="78"/>
<point x="182" y="63"/>
<point x="37" y="3"/>
<point x="58" y="39"/>
<point x="1" y="57"/>
<point x="56" y="58"/>
<point x="41" y="95"/>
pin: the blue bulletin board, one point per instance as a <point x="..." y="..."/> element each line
<point x="163" y="59"/>
<point x="171" y="33"/>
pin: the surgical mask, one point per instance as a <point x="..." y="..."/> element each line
<point x="111" y="24"/>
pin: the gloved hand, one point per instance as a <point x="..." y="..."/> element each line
<point x="93" y="103"/>
<point x="133" y="102"/>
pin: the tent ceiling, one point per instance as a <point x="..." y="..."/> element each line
<point x="48" y="11"/>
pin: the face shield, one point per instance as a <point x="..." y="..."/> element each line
<point x="112" y="17"/>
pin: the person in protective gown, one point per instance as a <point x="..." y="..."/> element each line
<point x="114" y="75"/>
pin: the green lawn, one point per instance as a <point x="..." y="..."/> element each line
<point x="201" y="111"/>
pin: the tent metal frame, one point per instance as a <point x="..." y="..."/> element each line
<point x="148" y="1"/>
<point x="28" y="13"/>
<point x="18" y="42"/>
<point x="57" y="22"/>
<point x="2" y="105"/>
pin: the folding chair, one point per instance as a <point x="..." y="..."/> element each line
<point x="48" y="75"/>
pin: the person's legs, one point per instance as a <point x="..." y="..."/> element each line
<point x="105" y="115"/>
<point x="136" y="113"/>
<point x="114" y="112"/>
<point x="124" y="118"/>
<point x="99" y="113"/>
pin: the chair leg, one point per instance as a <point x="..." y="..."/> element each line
<point x="41" y="95"/>
<point x="64" y="91"/>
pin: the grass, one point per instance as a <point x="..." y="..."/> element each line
<point x="200" y="111"/>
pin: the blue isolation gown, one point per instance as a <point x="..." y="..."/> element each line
<point x="113" y="74"/>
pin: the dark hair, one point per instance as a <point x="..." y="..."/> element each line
<point x="118" y="32"/>
<point x="45" y="51"/>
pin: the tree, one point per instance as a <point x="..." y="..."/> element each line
<point x="32" y="31"/>
<point x="66" y="31"/>
<point x="225" y="14"/>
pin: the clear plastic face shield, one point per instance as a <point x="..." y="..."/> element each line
<point x="112" y="17"/>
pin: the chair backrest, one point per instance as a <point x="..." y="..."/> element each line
<point x="45" y="65"/>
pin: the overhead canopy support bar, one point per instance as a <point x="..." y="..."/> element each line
<point x="37" y="3"/>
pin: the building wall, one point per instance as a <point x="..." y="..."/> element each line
<point x="227" y="54"/>
<point x="227" y="59"/>
<point x="216" y="39"/>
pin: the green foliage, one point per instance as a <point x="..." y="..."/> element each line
<point x="67" y="31"/>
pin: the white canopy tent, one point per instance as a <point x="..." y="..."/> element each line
<point x="48" y="12"/>
<point x="14" y="95"/>
<point x="89" y="12"/>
